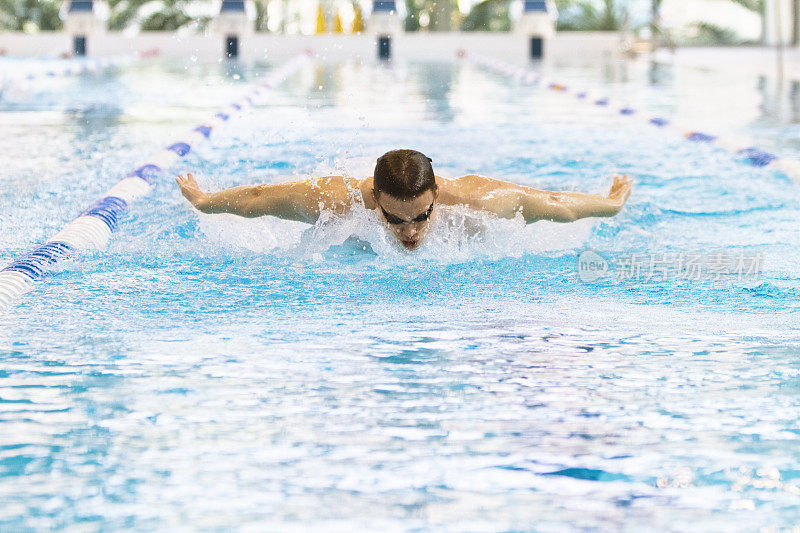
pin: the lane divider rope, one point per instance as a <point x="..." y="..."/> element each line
<point x="751" y="155"/>
<point x="76" y="67"/>
<point x="93" y="227"/>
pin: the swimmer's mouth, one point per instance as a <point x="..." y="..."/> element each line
<point x="411" y="244"/>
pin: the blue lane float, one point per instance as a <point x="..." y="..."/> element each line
<point x="205" y="131"/>
<point x="756" y="157"/>
<point x="75" y="67"/>
<point x="108" y="209"/>
<point x="749" y="154"/>
<point x="38" y="262"/>
<point x="146" y="172"/>
<point x="699" y="136"/>
<point x="181" y="148"/>
<point x="94" y="226"/>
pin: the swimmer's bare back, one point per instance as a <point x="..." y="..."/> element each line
<point x="305" y="200"/>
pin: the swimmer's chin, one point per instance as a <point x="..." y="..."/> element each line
<point x="411" y="244"/>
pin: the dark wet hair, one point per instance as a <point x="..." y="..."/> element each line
<point x="404" y="174"/>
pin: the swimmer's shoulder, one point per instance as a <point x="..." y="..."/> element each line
<point x="460" y="190"/>
<point x="365" y="186"/>
<point x="328" y="192"/>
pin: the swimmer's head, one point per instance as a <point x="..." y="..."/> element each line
<point x="405" y="189"/>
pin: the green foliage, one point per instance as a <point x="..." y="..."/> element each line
<point x="261" y="15"/>
<point x="442" y="14"/>
<point x="489" y="15"/>
<point x="588" y="15"/>
<point x="170" y="16"/>
<point x="752" y="5"/>
<point x="15" y="15"/>
<point x="413" y="11"/>
<point x="610" y="15"/>
<point x="711" y="34"/>
<point x="122" y="13"/>
<point x="167" y="20"/>
<point x="563" y="5"/>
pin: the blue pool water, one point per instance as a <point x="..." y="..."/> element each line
<point x="214" y="373"/>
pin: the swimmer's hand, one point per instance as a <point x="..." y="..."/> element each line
<point x="620" y="191"/>
<point x="192" y="192"/>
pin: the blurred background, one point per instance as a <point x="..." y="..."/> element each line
<point x="222" y="373"/>
<point x="668" y="22"/>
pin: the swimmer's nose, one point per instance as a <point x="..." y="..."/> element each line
<point x="409" y="231"/>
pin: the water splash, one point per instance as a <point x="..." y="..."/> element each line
<point x="458" y="234"/>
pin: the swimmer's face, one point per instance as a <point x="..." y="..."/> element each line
<point x="408" y="220"/>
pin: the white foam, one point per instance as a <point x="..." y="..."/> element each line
<point x="457" y="234"/>
<point x="265" y="234"/>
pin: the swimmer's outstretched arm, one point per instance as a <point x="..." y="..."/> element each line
<point x="507" y="199"/>
<point x="298" y="200"/>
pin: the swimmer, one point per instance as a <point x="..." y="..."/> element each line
<point x="405" y="192"/>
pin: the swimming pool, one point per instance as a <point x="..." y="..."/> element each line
<point x="209" y="372"/>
